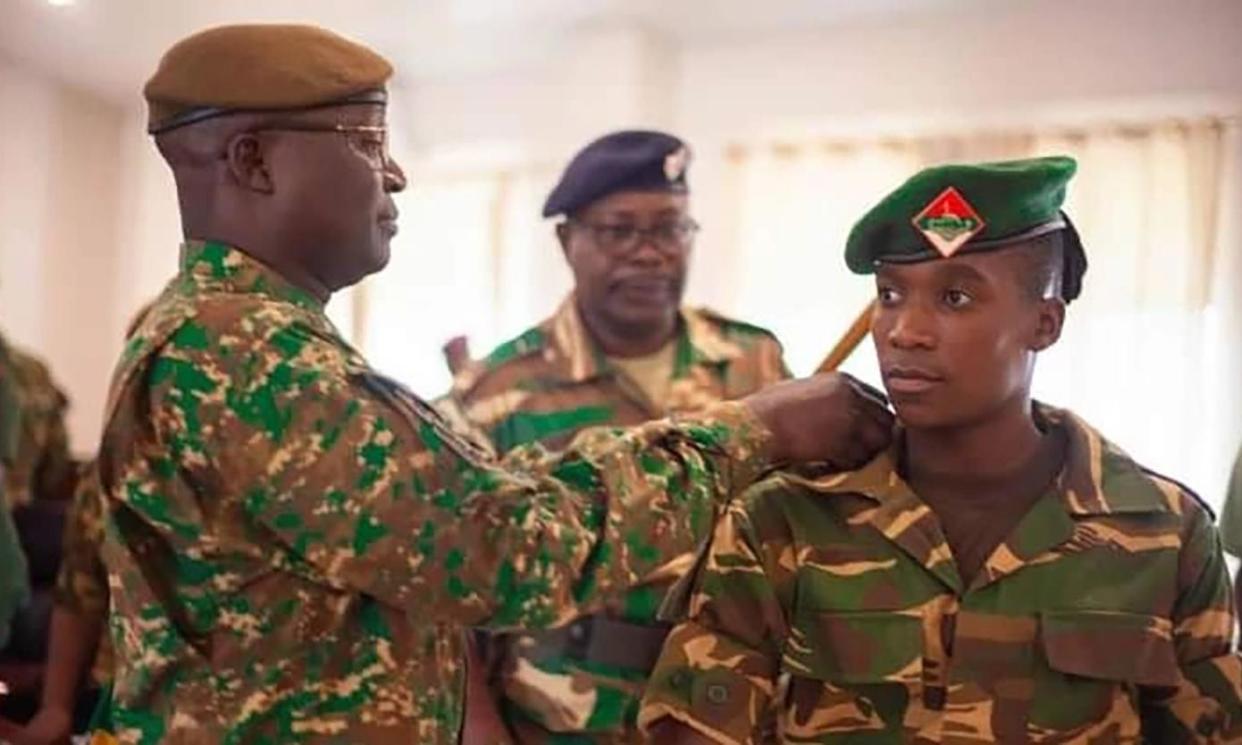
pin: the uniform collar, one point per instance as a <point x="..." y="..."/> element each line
<point x="1098" y="477"/>
<point x="572" y="349"/>
<point x="218" y="267"/>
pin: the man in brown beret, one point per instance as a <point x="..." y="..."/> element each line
<point x="293" y="541"/>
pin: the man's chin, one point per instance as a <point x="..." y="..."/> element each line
<point x="645" y="315"/>
<point x="375" y="264"/>
<point x="920" y="415"/>
<point x="381" y="254"/>
<point x="381" y="261"/>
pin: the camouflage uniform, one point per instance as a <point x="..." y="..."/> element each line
<point x="546" y="385"/>
<point x="553" y="381"/>
<point x="14" y="582"/>
<point x="38" y="465"/>
<point x="1231" y="513"/>
<point x="82" y="581"/>
<point x="1104" y="617"/>
<point x="294" y="543"/>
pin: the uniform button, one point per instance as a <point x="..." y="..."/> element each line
<point x="717" y="694"/>
<point x="577" y="632"/>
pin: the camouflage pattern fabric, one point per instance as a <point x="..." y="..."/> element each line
<point x="82" y="581"/>
<point x="14" y="580"/>
<point x="831" y="608"/>
<point x="38" y="464"/>
<point x="1231" y="513"/>
<point x="546" y="385"/>
<point x="552" y="381"/>
<point x="294" y="543"/>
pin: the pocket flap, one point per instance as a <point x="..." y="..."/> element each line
<point x="1123" y="647"/>
<point x="855" y="647"/>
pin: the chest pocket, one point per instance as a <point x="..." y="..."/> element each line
<point x="1096" y="661"/>
<point x="851" y="673"/>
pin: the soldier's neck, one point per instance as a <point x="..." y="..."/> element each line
<point x="630" y="340"/>
<point x="979" y="456"/>
<point x="258" y="245"/>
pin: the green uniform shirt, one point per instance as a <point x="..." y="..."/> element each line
<point x="294" y="543"/>
<point x="1105" y="616"/>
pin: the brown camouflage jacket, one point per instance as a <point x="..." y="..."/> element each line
<point x="830" y="609"/>
<point x="294" y="543"/>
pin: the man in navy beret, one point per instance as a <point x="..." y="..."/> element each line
<point x="620" y="350"/>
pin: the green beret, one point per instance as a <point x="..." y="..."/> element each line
<point x="260" y="67"/>
<point x="964" y="208"/>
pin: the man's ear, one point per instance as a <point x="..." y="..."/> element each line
<point x="247" y="163"/>
<point x="1049" y="321"/>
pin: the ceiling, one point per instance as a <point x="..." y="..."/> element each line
<point x="110" y="46"/>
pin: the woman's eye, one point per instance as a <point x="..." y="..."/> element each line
<point x="957" y="298"/>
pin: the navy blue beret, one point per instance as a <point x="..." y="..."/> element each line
<point x="631" y="160"/>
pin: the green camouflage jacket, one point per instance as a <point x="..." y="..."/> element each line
<point x="830" y="609"/>
<point x="34" y="445"/>
<point x="547" y="385"/>
<point x="552" y="381"/>
<point x="294" y="543"/>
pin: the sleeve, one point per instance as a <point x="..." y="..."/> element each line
<point x="55" y="470"/>
<point x="14" y="585"/>
<point x="368" y="491"/>
<point x="1206" y="705"/>
<point x="717" y="673"/>
<point x="453" y="409"/>
<point x="1231" y="513"/>
<point x="773" y="367"/>
<point x="82" y="582"/>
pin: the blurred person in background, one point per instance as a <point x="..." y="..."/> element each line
<point x="78" y="672"/>
<point x="622" y="349"/>
<point x="39" y="477"/>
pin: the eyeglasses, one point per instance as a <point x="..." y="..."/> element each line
<point x="671" y="238"/>
<point x="368" y="141"/>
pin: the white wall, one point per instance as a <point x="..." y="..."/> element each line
<point x="1003" y="64"/>
<point x="1019" y="56"/>
<point x="999" y="62"/>
<point x="59" y="195"/>
<point x="149" y="233"/>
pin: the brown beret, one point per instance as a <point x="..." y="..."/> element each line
<point x="260" y="67"/>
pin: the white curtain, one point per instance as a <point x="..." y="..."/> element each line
<point x="1150" y="352"/>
